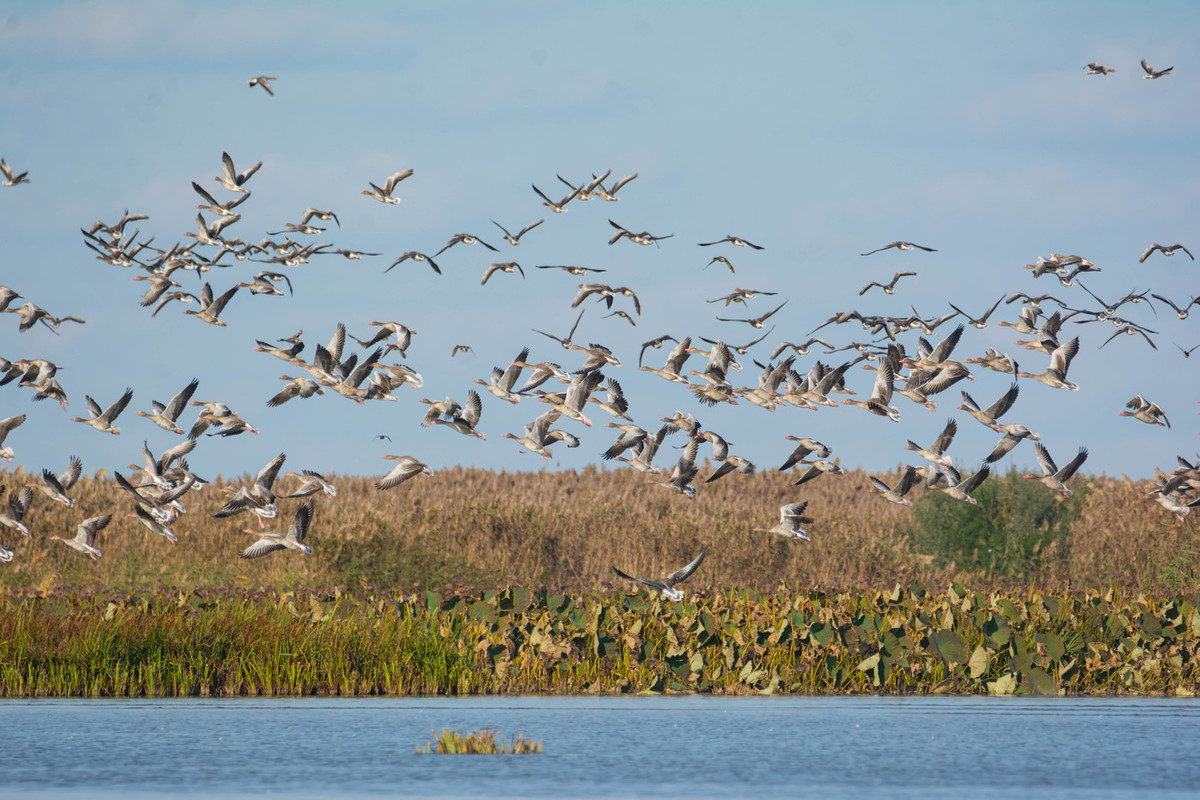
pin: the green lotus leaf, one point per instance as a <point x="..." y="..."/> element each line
<point x="1040" y="683"/>
<point x="950" y="646"/>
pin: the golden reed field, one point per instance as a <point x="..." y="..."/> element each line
<point x="567" y="529"/>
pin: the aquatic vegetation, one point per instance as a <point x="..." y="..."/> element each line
<point x="484" y="741"/>
<point x="236" y="642"/>
<point x="567" y="529"/>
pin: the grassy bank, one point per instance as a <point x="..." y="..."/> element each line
<point x="236" y="643"/>
<point x="567" y="529"/>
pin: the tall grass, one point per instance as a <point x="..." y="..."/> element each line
<point x="567" y="529"/>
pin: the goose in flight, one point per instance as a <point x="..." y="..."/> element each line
<point x="384" y="195"/>
<point x="6" y="425"/>
<point x="559" y="207"/>
<point x="11" y="178"/>
<point x="406" y="467"/>
<point x="165" y="416"/>
<point x="804" y="447"/>
<point x="977" y="322"/>
<point x="85" y="536"/>
<point x="956" y="487"/>
<point x="56" y="486"/>
<point x="153" y="524"/>
<point x="311" y="483"/>
<point x="211" y="307"/>
<point x="791" y="517"/>
<point x="889" y="287"/>
<point x="515" y="239"/>
<point x="502" y="381"/>
<point x="301" y="387"/>
<point x="1146" y="411"/>
<point x="936" y="452"/>
<point x="465" y="421"/>
<point x="644" y="238"/>
<point x="900" y="246"/>
<point x="668" y="586"/>
<point x="220" y="209"/>
<point x="1060" y="360"/>
<point x="757" y="322"/>
<point x="1152" y="73"/>
<point x="736" y="241"/>
<point x="684" y="472"/>
<point x="270" y="541"/>
<point x="896" y="493"/>
<point x="610" y="194"/>
<point x="570" y="268"/>
<point x="14" y="515"/>
<point x="1166" y="250"/>
<point x="103" y="421"/>
<point x="259" y="498"/>
<point x="230" y="178"/>
<point x="507" y="266"/>
<point x="1098" y="69"/>
<point x="1181" y="312"/>
<point x="415" y="256"/>
<point x="1052" y="476"/>
<point x="264" y="82"/>
<point x="464" y="238"/>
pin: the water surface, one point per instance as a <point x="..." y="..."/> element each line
<point x="692" y="747"/>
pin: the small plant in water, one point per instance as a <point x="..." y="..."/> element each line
<point x="481" y="742"/>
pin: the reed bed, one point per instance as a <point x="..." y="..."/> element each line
<point x="237" y="643"/>
<point x="568" y="528"/>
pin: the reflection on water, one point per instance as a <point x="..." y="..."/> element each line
<point x="604" y="746"/>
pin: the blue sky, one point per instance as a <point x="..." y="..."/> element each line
<point x="820" y="131"/>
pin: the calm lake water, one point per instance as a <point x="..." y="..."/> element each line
<point x="687" y="747"/>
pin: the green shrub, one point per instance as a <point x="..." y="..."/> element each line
<point x="1015" y="529"/>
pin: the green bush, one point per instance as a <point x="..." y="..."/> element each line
<point x="1016" y="527"/>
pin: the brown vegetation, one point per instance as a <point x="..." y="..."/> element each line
<point x="568" y="529"/>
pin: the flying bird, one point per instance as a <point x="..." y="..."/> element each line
<point x="668" y="586"/>
<point x="1152" y="73"/>
<point x="384" y="195"/>
<point x="900" y="246"/>
<point x="264" y="82"/>
<point x="270" y="541"/>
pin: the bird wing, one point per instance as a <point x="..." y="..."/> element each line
<point x="114" y="411"/>
<point x="71" y="474"/>
<point x="261" y="548"/>
<point x="176" y="406"/>
<point x="683" y="573"/>
<point x="299" y="527"/>
<point x="266" y="476"/>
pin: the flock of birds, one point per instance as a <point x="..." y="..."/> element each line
<point x="916" y="371"/>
